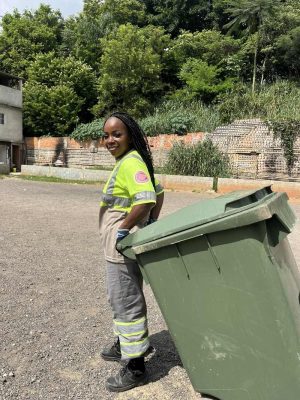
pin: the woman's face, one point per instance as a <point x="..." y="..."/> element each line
<point x="116" y="137"/>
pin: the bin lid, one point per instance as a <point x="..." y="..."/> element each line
<point x="224" y="212"/>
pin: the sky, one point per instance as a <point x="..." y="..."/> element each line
<point x="66" y="7"/>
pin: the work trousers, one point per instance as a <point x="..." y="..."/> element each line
<point x="126" y="297"/>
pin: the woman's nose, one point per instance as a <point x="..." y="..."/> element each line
<point x="110" y="139"/>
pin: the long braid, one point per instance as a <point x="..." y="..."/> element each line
<point x="139" y="140"/>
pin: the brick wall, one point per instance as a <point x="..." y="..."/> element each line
<point x="252" y="150"/>
<point x="73" y="153"/>
<point x="66" y="152"/>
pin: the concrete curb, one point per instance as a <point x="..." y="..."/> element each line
<point x="170" y="182"/>
<point x="65" y="173"/>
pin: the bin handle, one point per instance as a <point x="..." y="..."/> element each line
<point x="253" y="197"/>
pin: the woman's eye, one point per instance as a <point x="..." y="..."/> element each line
<point x="117" y="134"/>
<point x="105" y="137"/>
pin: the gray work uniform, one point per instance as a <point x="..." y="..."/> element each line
<point x="124" y="279"/>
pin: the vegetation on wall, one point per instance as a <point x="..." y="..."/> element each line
<point x="287" y="131"/>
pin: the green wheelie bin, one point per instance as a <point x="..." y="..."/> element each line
<point x="227" y="284"/>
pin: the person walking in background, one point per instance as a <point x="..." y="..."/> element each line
<point x="131" y="199"/>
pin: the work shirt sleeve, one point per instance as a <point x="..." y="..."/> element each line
<point x="136" y="178"/>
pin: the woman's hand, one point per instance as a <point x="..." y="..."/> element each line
<point x="121" y="233"/>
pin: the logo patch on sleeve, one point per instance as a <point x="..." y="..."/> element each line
<point x="141" y="177"/>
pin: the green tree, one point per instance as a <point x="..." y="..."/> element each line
<point x="281" y="33"/>
<point x="119" y="12"/>
<point x="288" y="51"/>
<point x="50" y="110"/>
<point x="82" y="33"/>
<point x="25" y="35"/>
<point x="130" y="71"/>
<point x="210" y="46"/>
<point x="202" y="80"/>
<point x="50" y="71"/>
<point x="57" y="95"/>
<point x="249" y="16"/>
<point x="175" y="15"/>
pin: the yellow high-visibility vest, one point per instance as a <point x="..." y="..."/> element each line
<point x="129" y="184"/>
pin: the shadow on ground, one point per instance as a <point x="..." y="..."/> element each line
<point x="165" y="356"/>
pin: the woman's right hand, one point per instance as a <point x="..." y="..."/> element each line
<point x="121" y="234"/>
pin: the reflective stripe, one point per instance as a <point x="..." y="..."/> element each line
<point x="111" y="200"/>
<point x="138" y="321"/>
<point x="108" y="198"/>
<point x="132" y="349"/>
<point x="159" y="188"/>
<point x="112" y="181"/>
<point x="135" y="349"/>
<point x="134" y="333"/>
<point x="133" y="343"/>
<point x="135" y="355"/>
<point x="144" y="196"/>
<point x="133" y="337"/>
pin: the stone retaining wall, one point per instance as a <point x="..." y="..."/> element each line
<point x="252" y="150"/>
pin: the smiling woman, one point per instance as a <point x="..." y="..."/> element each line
<point x="116" y="137"/>
<point x="132" y="198"/>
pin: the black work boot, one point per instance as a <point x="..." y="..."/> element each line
<point x="113" y="353"/>
<point x="132" y="375"/>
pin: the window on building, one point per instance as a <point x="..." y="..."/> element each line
<point x="1" y="118"/>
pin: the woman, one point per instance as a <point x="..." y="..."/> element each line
<point x="131" y="199"/>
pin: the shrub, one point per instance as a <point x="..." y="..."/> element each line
<point x="175" y="116"/>
<point x="92" y="130"/>
<point x="169" y="117"/>
<point x="180" y="123"/>
<point x="201" y="159"/>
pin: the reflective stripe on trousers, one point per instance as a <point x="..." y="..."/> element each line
<point x="125" y="295"/>
<point x="133" y="337"/>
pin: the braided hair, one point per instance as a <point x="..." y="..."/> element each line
<point x="139" y="140"/>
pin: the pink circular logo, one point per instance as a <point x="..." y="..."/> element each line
<point x="141" y="177"/>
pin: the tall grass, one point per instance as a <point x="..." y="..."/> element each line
<point x="173" y="116"/>
<point x="279" y="101"/>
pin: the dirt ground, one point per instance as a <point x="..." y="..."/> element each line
<point x="54" y="312"/>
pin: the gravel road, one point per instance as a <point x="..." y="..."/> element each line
<point x="54" y="312"/>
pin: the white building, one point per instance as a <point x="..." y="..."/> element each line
<point x="11" y="127"/>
